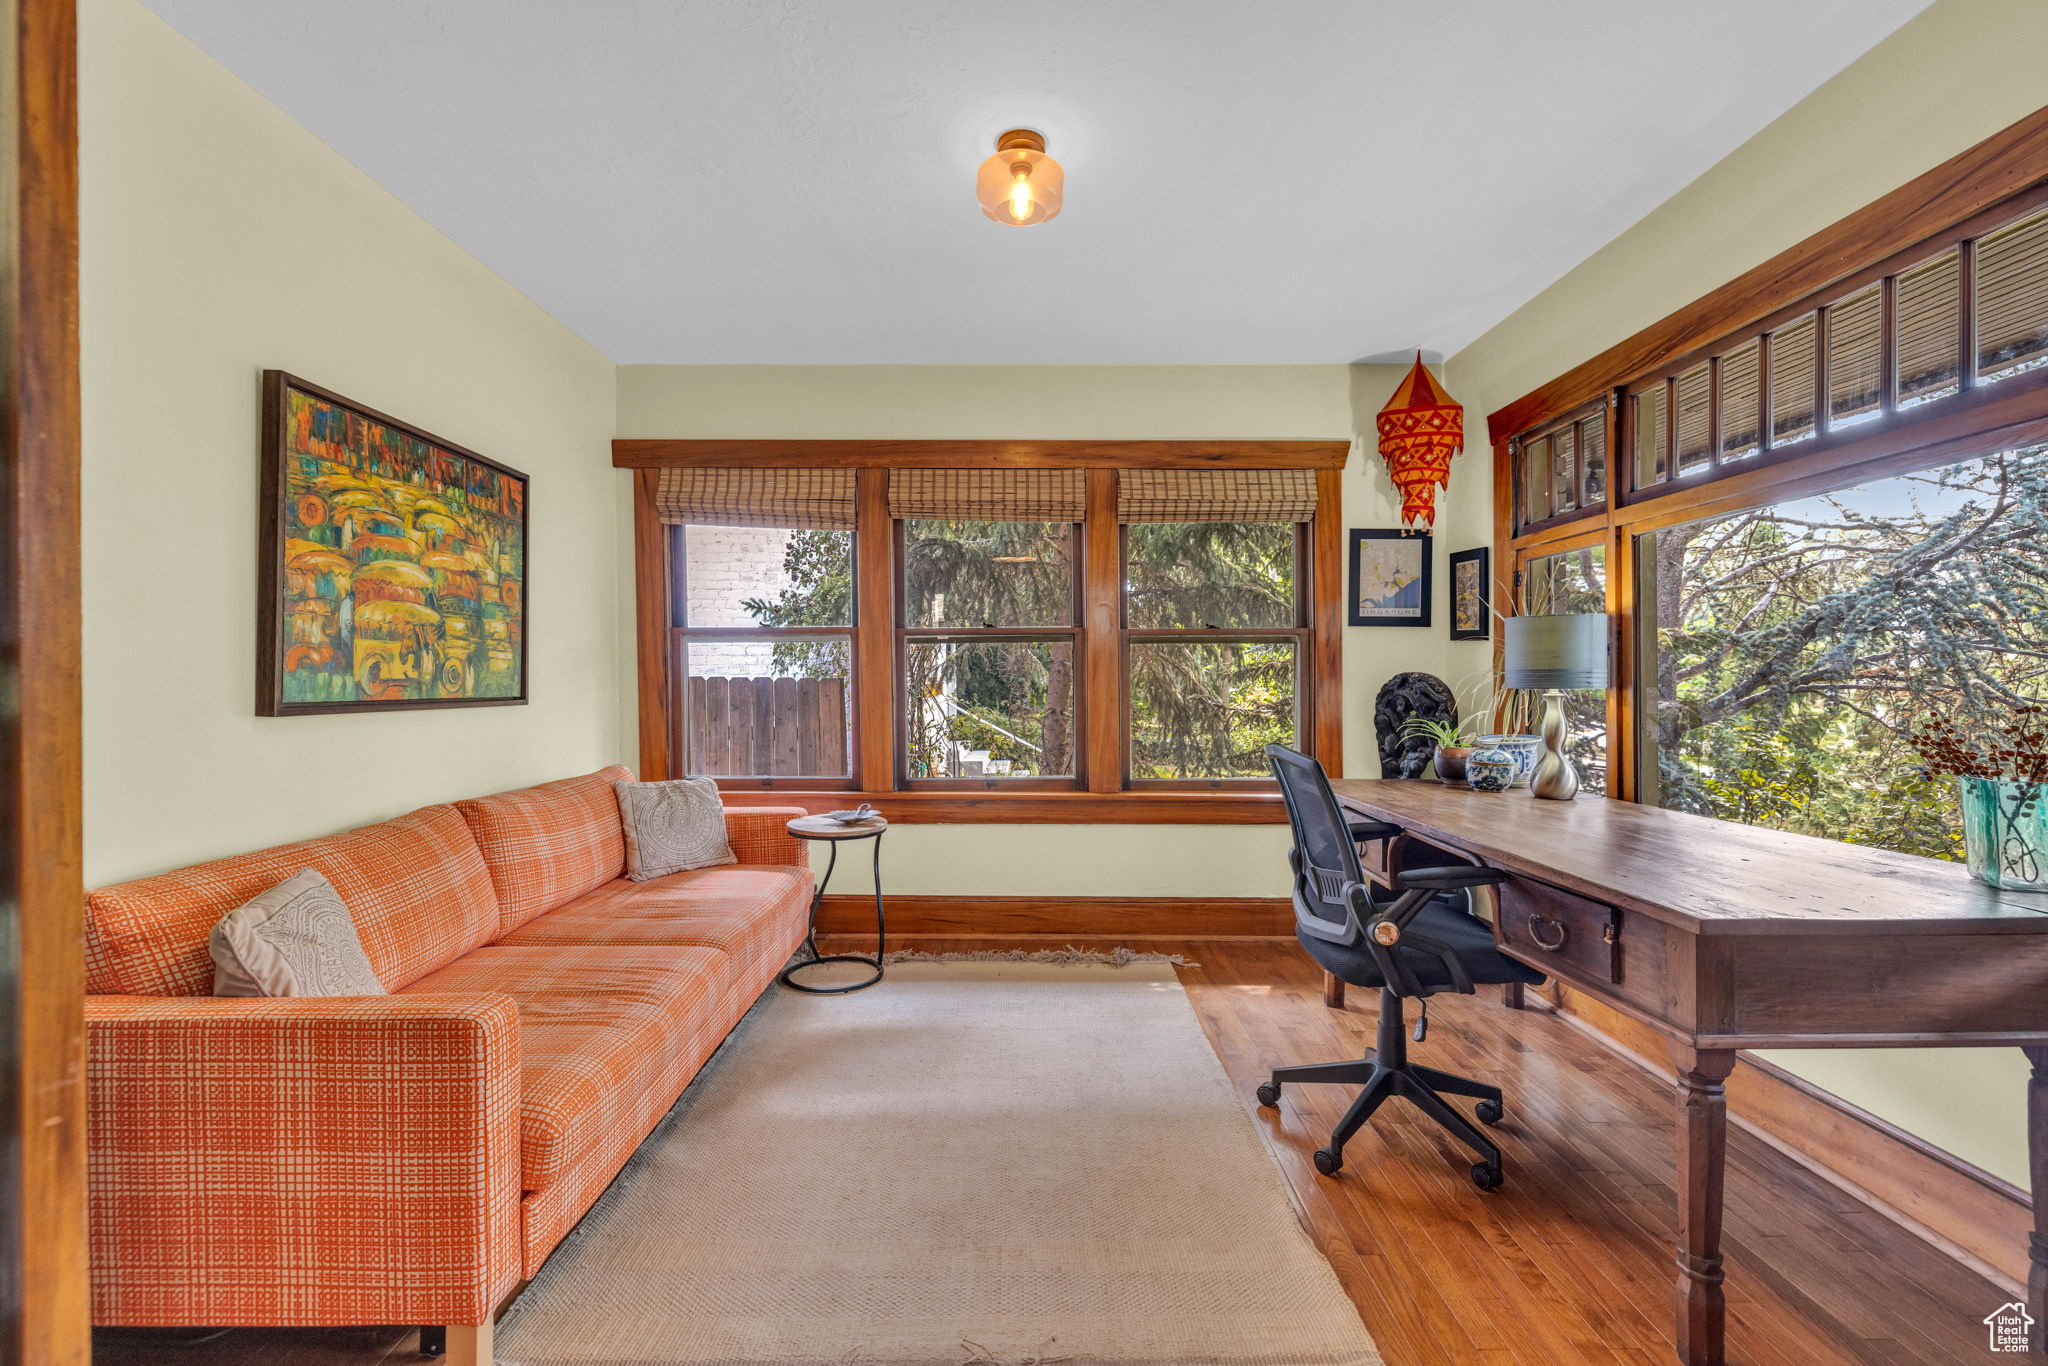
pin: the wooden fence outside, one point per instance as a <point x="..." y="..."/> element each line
<point x="766" y="727"/>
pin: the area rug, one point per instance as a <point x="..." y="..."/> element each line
<point x="974" y="1162"/>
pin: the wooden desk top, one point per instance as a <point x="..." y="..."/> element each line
<point x="1712" y="877"/>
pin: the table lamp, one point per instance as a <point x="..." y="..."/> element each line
<point x="1555" y="654"/>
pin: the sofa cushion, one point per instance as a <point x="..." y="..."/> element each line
<point x="548" y="845"/>
<point x="601" y="1032"/>
<point x="294" y="940"/>
<point x="751" y="914"/>
<point x="416" y="887"/>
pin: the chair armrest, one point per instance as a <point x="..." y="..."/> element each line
<point x="1361" y="831"/>
<point x="1450" y="879"/>
<point x="303" y="1160"/>
<point x="759" y="834"/>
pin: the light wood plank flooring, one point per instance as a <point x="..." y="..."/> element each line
<point x="1570" y="1263"/>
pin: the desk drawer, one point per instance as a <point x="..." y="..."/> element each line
<point x="1547" y="925"/>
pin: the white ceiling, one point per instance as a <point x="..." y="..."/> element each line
<point x="1248" y="181"/>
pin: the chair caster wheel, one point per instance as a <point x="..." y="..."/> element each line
<point x="1269" y="1094"/>
<point x="1488" y="1112"/>
<point x="1487" y="1178"/>
<point x="1329" y="1161"/>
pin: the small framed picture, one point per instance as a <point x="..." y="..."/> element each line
<point x="1471" y="587"/>
<point x="1390" y="584"/>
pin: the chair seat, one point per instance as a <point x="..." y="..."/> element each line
<point x="1444" y="920"/>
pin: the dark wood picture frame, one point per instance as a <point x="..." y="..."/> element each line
<point x="1425" y="543"/>
<point x="271" y="578"/>
<point x="1482" y="558"/>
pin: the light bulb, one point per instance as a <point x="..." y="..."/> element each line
<point x="1020" y="185"/>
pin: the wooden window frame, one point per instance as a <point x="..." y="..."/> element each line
<point x="1997" y="181"/>
<point x="1100" y="792"/>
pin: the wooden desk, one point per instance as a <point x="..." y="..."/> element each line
<point x="1725" y="936"/>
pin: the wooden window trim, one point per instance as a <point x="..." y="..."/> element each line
<point x="2001" y="179"/>
<point x="1099" y="793"/>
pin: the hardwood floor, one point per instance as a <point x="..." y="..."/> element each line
<point x="1570" y="1263"/>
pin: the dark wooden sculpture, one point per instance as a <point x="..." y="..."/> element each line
<point x="1403" y="698"/>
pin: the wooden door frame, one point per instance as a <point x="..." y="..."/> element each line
<point x="44" y="1316"/>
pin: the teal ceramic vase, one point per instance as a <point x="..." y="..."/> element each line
<point x="1490" y="769"/>
<point x="2005" y="832"/>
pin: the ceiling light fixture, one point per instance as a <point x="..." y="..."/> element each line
<point x="1020" y="185"/>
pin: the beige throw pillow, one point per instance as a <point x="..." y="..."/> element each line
<point x="296" y="939"/>
<point x="673" y="826"/>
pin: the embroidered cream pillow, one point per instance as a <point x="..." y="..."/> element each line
<point x="294" y="940"/>
<point x="673" y="826"/>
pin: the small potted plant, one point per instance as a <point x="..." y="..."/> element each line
<point x="2000" y="769"/>
<point x="1448" y="737"/>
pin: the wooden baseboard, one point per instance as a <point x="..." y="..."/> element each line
<point x="1105" y="917"/>
<point x="1966" y="1212"/>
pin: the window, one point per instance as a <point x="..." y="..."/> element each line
<point x="1789" y="650"/>
<point x="761" y="612"/>
<point x="1562" y="470"/>
<point x="1214" y="622"/>
<point x="1858" y="355"/>
<point x="986" y="695"/>
<point x="993" y="626"/>
<point x="1832" y="529"/>
<point x="1569" y="583"/>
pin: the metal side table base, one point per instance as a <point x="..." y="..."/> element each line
<point x="833" y="833"/>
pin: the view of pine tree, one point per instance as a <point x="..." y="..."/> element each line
<point x="1798" y="646"/>
<point x="1200" y="709"/>
<point x="1205" y="709"/>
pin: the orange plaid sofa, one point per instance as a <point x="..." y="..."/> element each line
<point x="410" y="1158"/>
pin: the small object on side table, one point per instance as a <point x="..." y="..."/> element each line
<point x="865" y="825"/>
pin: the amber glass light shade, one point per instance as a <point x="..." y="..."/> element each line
<point x="1020" y="185"/>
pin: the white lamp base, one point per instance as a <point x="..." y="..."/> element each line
<point x="1555" y="779"/>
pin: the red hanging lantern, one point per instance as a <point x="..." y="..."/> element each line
<point x="1421" y="428"/>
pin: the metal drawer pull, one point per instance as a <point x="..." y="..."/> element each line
<point x="1548" y="945"/>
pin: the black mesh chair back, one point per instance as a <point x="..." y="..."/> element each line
<point x="1327" y="875"/>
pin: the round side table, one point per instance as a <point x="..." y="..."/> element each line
<point x="835" y="834"/>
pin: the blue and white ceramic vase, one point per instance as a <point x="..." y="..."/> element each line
<point x="1490" y="769"/>
<point x="1525" y="750"/>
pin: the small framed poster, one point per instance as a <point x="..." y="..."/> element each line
<point x="1390" y="582"/>
<point x="1471" y="587"/>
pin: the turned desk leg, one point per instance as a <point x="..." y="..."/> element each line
<point x="1511" y="995"/>
<point x="2037" y="1166"/>
<point x="1333" y="991"/>
<point x="1702" y="1166"/>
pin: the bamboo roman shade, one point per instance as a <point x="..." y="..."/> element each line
<point x="811" y="499"/>
<point x="1216" y="496"/>
<point x="989" y="495"/>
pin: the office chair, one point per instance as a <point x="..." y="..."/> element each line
<point x="1425" y="941"/>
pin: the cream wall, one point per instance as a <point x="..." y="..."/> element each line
<point x="220" y="238"/>
<point x="1272" y="402"/>
<point x="1961" y="71"/>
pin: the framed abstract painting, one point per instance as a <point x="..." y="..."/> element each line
<point x="393" y="563"/>
<point x="1471" y="587"/>
<point x="1390" y="580"/>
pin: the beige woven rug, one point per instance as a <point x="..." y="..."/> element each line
<point x="970" y="1163"/>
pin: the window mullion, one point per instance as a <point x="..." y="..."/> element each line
<point x="876" y="690"/>
<point x="1101" y="710"/>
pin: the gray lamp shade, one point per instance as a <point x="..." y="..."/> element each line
<point x="1556" y="652"/>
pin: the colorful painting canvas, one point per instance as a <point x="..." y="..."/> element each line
<point x="394" y="563"/>
<point x="1390" y="578"/>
